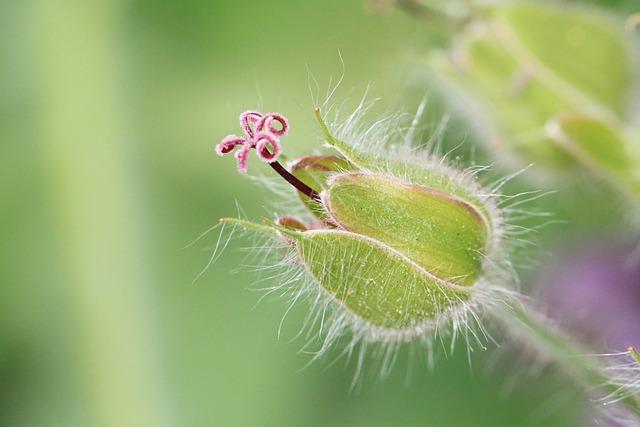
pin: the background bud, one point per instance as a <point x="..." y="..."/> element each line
<point x="529" y="66"/>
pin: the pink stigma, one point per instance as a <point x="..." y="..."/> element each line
<point x="261" y="133"/>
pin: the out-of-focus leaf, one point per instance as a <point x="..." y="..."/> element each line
<point x="598" y="146"/>
<point x="527" y="63"/>
<point x="375" y="283"/>
<point x="579" y="51"/>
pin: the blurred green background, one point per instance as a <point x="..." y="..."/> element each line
<point x="110" y="112"/>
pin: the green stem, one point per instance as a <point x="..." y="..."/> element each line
<point x="535" y="330"/>
<point x="96" y="210"/>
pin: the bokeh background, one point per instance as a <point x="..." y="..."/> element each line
<point x="110" y="111"/>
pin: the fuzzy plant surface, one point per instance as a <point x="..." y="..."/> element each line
<point x="395" y="244"/>
<point x="551" y="83"/>
<point x="390" y="245"/>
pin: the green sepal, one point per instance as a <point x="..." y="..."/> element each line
<point x="266" y="227"/>
<point x="357" y="158"/>
<point x="417" y="173"/>
<point x="374" y="282"/>
<point x="440" y="232"/>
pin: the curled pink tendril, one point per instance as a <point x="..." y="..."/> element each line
<point x="261" y="133"/>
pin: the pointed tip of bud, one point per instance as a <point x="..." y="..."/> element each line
<point x="317" y="109"/>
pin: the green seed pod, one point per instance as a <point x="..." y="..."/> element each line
<point x="396" y="247"/>
<point x="440" y="232"/>
<point x="379" y="285"/>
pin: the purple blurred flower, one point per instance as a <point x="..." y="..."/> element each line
<point x="593" y="289"/>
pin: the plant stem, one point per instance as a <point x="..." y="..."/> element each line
<point x="523" y="321"/>
<point x="96" y="213"/>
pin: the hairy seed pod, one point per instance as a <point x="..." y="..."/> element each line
<point x="397" y="247"/>
<point x="440" y="232"/>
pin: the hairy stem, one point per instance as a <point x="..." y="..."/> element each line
<point x="537" y="331"/>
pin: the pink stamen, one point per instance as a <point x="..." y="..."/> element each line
<point x="259" y="133"/>
<point x="267" y="147"/>
<point x="249" y="118"/>
<point x="242" y="156"/>
<point x="228" y="143"/>
<point x="284" y="125"/>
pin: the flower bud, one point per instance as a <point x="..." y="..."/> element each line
<point x="526" y="65"/>
<point x="400" y="246"/>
